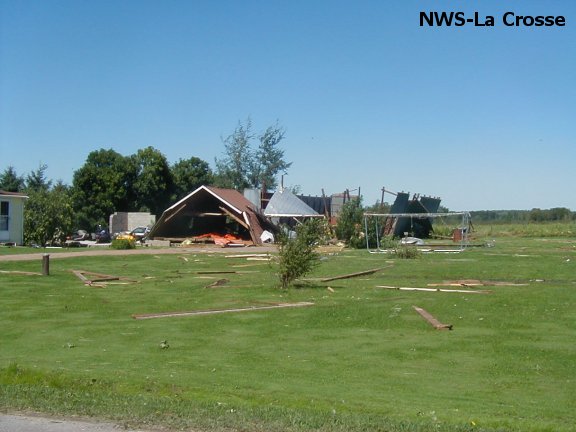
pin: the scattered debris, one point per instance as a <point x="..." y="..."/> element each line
<point x="330" y="289"/>
<point x="216" y="272"/>
<point x="99" y="279"/>
<point x="262" y="255"/>
<point x="351" y="275"/>
<point x="218" y="283"/>
<point x="435" y="290"/>
<point x="475" y="282"/>
<point x="24" y="273"/>
<point x="183" y="258"/>
<point x="219" y="311"/>
<point x="433" y="321"/>
<point x="164" y="344"/>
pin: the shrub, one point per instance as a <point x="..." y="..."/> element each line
<point x="349" y="225"/>
<point x="123" y="244"/>
<point x="296" y="256"/>
<point x="407" y="252"/>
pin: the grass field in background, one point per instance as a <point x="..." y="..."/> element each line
<point x="360" y="358"/>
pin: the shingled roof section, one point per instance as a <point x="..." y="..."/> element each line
<point x="175" y="219"/>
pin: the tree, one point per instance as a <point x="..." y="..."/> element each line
<point x="10" y="181"/>
<point x="243" y="167"/>
<point x="297" y="256"/>
<point x="233" y="171"/>
<point x="37" y="181"/>
<point x="48" y="214"/>
<point x="153" y="182"/>
<point x="269" y="159"/>
<point x="349" y="225"/>
<point x="102" y="186"/>
<point x="188" y="175"/>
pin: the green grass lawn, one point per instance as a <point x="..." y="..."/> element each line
<point x="359" y="359"/>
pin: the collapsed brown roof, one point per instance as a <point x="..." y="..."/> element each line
<point x="210" y="209"/>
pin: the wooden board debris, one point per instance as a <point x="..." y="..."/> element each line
<point x="262" y="255"/>
<point x="351" y="275"/>
<point x="219" y="311"/>
<point x="475" y="282"/>
<point x="99" y="279"/>
<point x="18" y="272"/>
<point x="433" y="321"/>
<point x="218" y="283"/>
<point x="434" y="289"/>
<point x="207" y="272"/>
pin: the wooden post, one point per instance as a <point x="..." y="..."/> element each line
<point x="46" y="265"/>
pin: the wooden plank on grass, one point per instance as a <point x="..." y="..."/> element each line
<point x="434" y="290"/>
<point x="474" y="282"/>
<point x="216" y="272"/>
<point x="350" y="275"/>
<point x="433" y="321"/>
<point x="24" y="273"/>
<point x="219" y="311"/>
<point x="90" y="277"/>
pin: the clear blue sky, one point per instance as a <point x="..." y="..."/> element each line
<point x="484" y="117"/>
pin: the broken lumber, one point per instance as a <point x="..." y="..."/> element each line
<point x="219" y="311"/>
<point x="435" y="290"/>
<point x="216" y="272"/>
<point x="474" y="282"/>
<point x="24" y="273"/>
<point x="218" y="283"/>
<point x="433" y="321"/>
<point x="262" y="255"/>
<point x="350" y="275"/>
<point x="94" y="277"/>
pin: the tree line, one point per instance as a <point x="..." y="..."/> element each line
<point x="110" y="182"/>
<point x="556" y="214"/>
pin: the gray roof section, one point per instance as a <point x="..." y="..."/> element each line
<point x="285" y="204"/>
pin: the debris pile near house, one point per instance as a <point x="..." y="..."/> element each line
<point x="226" y="240"/>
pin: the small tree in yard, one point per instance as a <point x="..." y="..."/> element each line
<point x="349" y="226"/>
<point x="296" y="256"/>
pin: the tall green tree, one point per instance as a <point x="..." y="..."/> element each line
<point x="233" y="170"/>
<point x="102" y="186"/>
<point x="48" y="214"/>
<point x="37" y="181"/>
<point x="269" y="159"/>
<point x="244" y="166"/>
<point x="10" y="181"/>
<point x="189" y="174"/>
<point x="153" y="182"/>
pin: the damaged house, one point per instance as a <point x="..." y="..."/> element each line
<point x="420" y="227"/>
<point x="223" y="216"/>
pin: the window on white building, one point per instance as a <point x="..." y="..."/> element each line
<point x="4" y="210"/>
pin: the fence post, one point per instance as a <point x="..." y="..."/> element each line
<point x="46" y="265"/>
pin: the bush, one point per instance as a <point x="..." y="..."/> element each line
<point x="407" y="252"/>
<point x="350" y="226"/>
<point x="123" y="244"/>
<point x="296" y="256"/>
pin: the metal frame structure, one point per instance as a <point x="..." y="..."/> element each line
<point x="464" y="224"/>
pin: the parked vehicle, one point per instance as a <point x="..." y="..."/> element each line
<point x="102" y="235"/>
<point x="79" y="235"/>
<point x="140" y="233"/>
